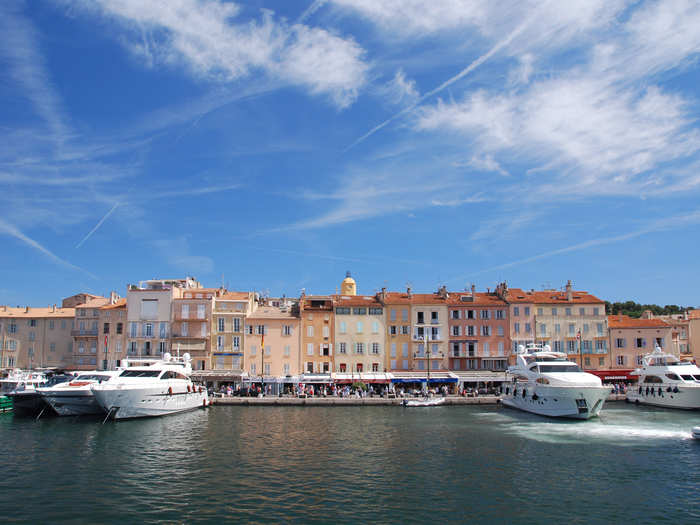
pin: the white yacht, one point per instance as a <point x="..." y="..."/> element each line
<point x="158" y="389"/>
<point x="548" y="384"/>
<point x="665" y="381"/>
<point x="75" y="398"/>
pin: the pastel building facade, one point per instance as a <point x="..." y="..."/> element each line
<point x="479" y="331"/>
<point x="272" y="342"/>
<point x="316" y="334"/>
<point x="112" y="328"/>
<point x="430" y="321"/>
<point x="192" y="323"/>
<point x="86" y="333"/>
<point x="32" y="337"/>
<point x="399" y="339"/>
<point x="631" y="339"/>
<point x="228" y="329"/>
<point x="360" y="334"/>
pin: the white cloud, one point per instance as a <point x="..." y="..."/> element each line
<point x="400" y="90"/>
<point x="206" y="36"/>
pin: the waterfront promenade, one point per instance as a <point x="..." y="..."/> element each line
<point x="357" y="401"/>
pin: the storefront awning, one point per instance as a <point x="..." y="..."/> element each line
<point x="375" y="377"/>
<point x="614" y="375"/>
<point x="422" y="377"/>
<point x="315" y="378"/>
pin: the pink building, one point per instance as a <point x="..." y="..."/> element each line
<point x="631" y="339"/>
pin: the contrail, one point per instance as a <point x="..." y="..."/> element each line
<point x="103" y="219"/>
<point x="471" y="67"/>
<point x="315" y="6"/>
<point x="17" y="234"/>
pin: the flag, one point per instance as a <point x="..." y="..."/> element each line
<point x="578" y="334"/>
<point x="262" y="342"/>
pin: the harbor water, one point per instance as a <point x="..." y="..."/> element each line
<point x="353" y="465"/>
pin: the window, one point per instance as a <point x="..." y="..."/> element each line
<point x="63" y="325"/>
<point x="260" y="329"/>
<point x="162" y="347"/>
<point x="376" y="311"/>
<point x="249" y="329"/>
<point x="392" y="364"/>
<point x="393" y="349"/>
<point x="375" y="348"/>
<point x="582" y="311"/>
<point x="13" y="327"/>
<point x="375" y="327"/>
<point x="540" y="311"/>
<point x="285" y="369"/>
<point x="485" y="330"/>
<point x="118" y="349"/>
<point x="31" y="336"/>
<point x="455" y="314"/>
<point x="219" y="342"/>
<point x="587" y="360"/>
<point x="359" y="327"/>
<point x="148" y="330"/>
<point x="51" y="325"/>
<point x="392" y="315"/>
<point x="32" y="323"/>
<point x="236" y="324"/>
<point x="252" y="369"/>
<point x="586" y="346"/>
<point x="421" y="365"/>
<point x="516" y="328"/>
<point x="254" y="350"/>
<point x="572" y="329"/>
<point x="343" y="348"/>
<point x="392" y="330"/>
<point x="486" y="350"/>
<point x="420" y="318"/>
<point x="221" y="324"/>
<point x="359" y="348"/>
<point x="640" y="360"/>
<point x="405" y="329"/>
<point x="359" y="311"/>
<point x="236" y="342"/>
<point x="287" y="329"/>
<point x="557" y="346"/>
<point x="287" y="350"/>
<point x="516" y="310"/>
<point x="132" y="329"/>
<point x="554" y="312"/>
<point x="501" y="347"/>
<point x="595" y="311"/>
<point x="599" y="329"/>
<point x="200" y="311"/>
<point x="404" y="364"/>
<point x="568" y="312"/>
<point x="375" y="367"/>
<point x="500" y="314"/>
<point x="342" y="311"/>
<point x="640" y="342"/>
<point x="267" y="369"/>
<point x="309" y="349"/>
<point x="404" y="315"/>
<point x="471" y="314"/>
<point x="359" y="367"/>
<point x="120" y="328"/>
<point x="601" y="346"/>
<point x="660" y="342"/>
<point x="309" y="330"/>
<point x="52" y="347"/>
<point x="484" y="314"/>
<point x="81" y="347"/>
<point x="557" y="329"/>
<point x="527" y="311"/>
<point x="528" y="328"/>
<point x="585" y="328"/>
<point x="404" y="350"/>
<point x="163" y="330"/>
<point x="343" y="327"/>
<point x="434" y="317"/>
<point x="456" y="330"/>
<point x="619" y="343"/>
<point x="621" y="360"/>
<point x="543" y="330"/>
<point x="601" y="361"/>
<point x="571" y="347"/>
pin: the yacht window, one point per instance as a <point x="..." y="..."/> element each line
<point x="673" y="376"/>
<point x="687" y="377"/>
<point x="697" y="378"/>
<point x="559" y="368"/>
<point x="140" y="373"/>
<point x="653" y="379"/>
<point x="167" y="375"/>
<point x="92" y="377"/>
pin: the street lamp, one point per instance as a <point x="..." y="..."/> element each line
<point x="428" y="354"/>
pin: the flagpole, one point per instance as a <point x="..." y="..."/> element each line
<point x="580" y="348"/>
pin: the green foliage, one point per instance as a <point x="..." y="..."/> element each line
<point x="635" y="310"/>
<point x="359" y="385"/>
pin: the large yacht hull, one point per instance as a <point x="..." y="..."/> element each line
<point x="128" y="403"/>
<point x="73" y="402"/>
<point x="569" y="402"/>
<point x="687" y="397"/>
<point x="27" y="403"/>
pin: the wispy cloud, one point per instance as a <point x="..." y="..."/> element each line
<point x="99" y="223"/>
<point x="315" y="6"/>
<point x="13" y="231"/>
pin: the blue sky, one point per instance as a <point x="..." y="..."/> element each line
<point x="276" y="145"/>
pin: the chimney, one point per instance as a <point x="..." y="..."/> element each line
<point x="26" y="309"/>
<point x="53" y="308"/>
<point x="473" y="290"/>
<point x="442" y="292"/>
<point x="383" y="294"/>
<point x="408" y="292"/>
<point x="569" y="293"/>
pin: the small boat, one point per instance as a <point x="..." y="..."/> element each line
<point x="425" y="402"/>
<point x="159" y="389"/>
<point x="664" y="381"/>
<point x="695" y="432"/>
<point x="548" y="384"/>
<point x="74" y="398"/>
<point x="26" y="399"/>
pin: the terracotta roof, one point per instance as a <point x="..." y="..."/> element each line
<point x="32" y="312"/>
<point x="356" y="300"/>
<point x="516" y="295"/>
<point x="121" y="303"/>
<point x="694" y="314"/>
<point x="94" y="302"/>
<point x="397" y="298"/>
<point x="427" y="298"/>
<point x="624" y="321"/>
<point x="480" y="299"/>
<point x="234" y="296"/>
<point x="271" y="312"/>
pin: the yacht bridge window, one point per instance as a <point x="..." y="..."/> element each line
<point x="653" y="379"/>
<point x="674" y="377"/>
<point x="559" y="368"/>
<point x="140" y="373"/>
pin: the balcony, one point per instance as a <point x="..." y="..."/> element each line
<point x="84" y="333"/>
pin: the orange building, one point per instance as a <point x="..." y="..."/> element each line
<point x="317" y="334"/>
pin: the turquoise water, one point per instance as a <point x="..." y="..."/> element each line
<point x="353" y="464"/>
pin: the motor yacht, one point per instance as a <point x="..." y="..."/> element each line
<point x="547" y="383"/>
<point x="74" y="398"/>
<point x="161" y="388"/>
<point x="26" y="400"/>
<point x="665" y="381"/>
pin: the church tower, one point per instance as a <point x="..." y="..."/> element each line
<point x="348" y="286"/>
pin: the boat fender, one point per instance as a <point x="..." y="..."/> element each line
<point x="200" y="389"/>
<point x="669" y="389"/>
<point x="535" y="397"/>
<point x="675" y="390"/>
<point x="204" y="403"/>
<point x="507" y="390"/>
<point x="647" y="391"/>
<point x="659" y="390"/>
<point x="188" y="389"/>
<point x="640" y="390"/>
<point x="524" y="392"/>
<point x="170" y="391"/>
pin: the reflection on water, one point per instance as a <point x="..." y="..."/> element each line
<point x="351" y="464"/>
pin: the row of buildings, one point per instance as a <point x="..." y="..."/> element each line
<point x="239" y="336"/>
